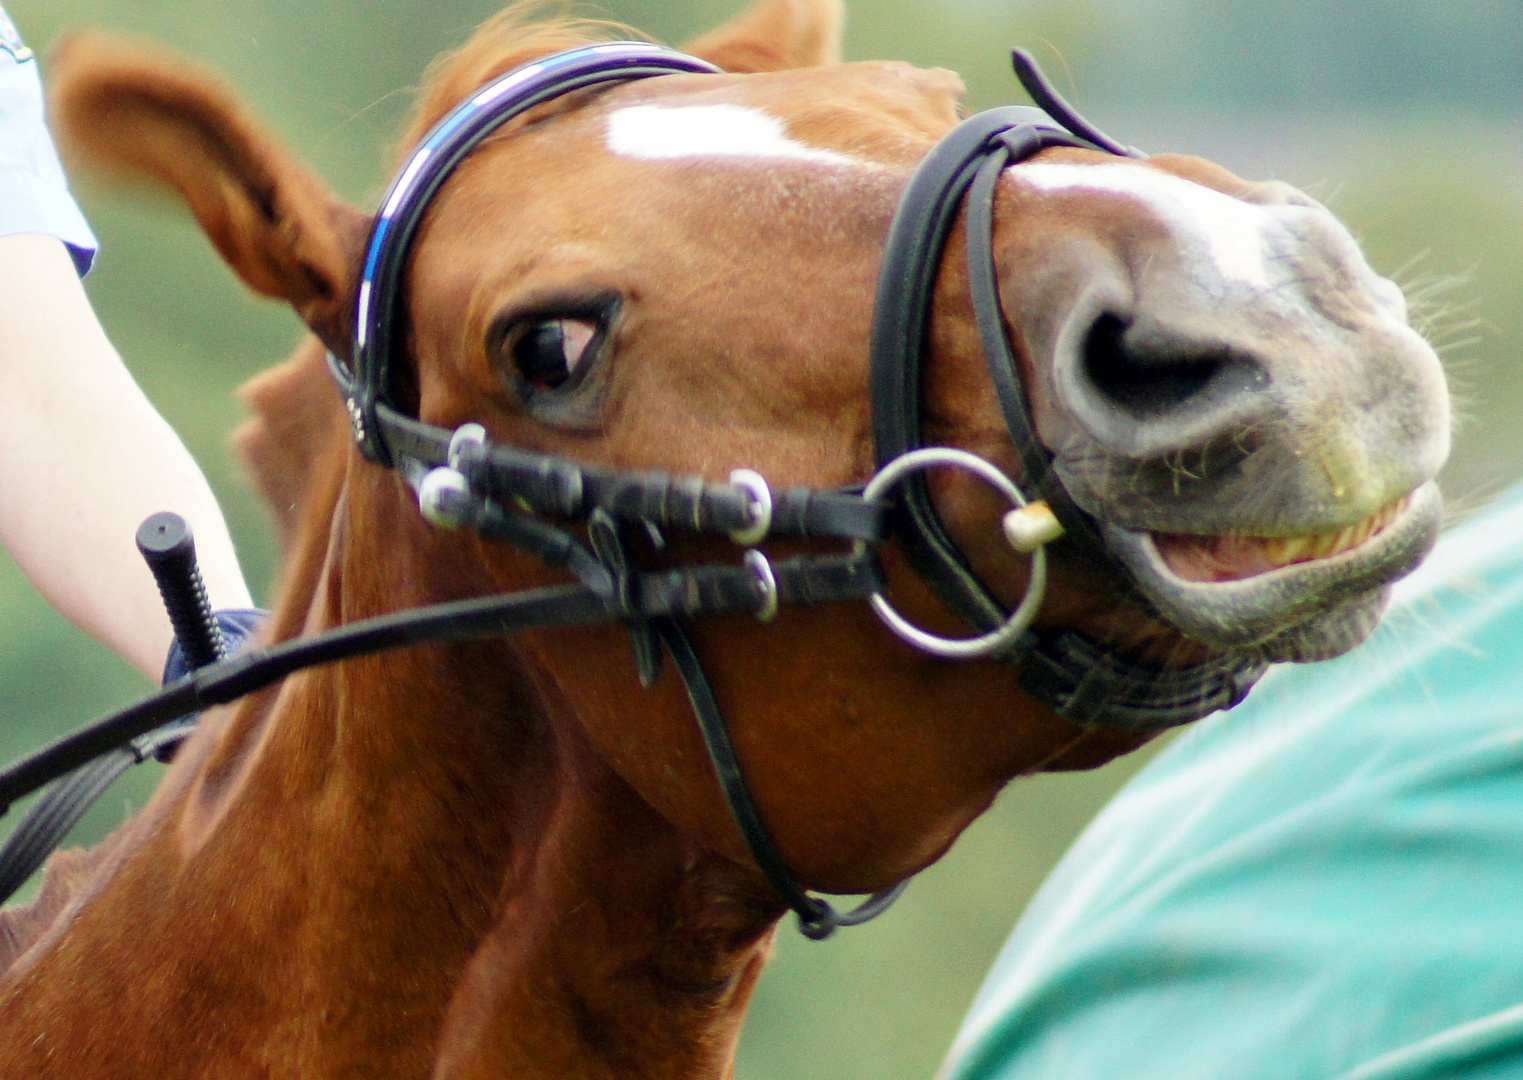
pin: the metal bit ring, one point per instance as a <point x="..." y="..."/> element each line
<point x="1007" y="633"/>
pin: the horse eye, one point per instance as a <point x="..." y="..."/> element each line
<point x="551" y="352"/>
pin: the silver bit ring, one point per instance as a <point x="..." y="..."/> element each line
<point x="1007" y="633"/>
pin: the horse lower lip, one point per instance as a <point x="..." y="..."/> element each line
<point x="1207" y="559"/>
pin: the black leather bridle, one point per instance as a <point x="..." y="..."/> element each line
<point x="462" y="479"/>
<point x="1084" y="682"/>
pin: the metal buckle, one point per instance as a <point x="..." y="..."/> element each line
<point x="766" y="584"/>
<point x="754" y="485"/>
<point x="1006" y="634"/>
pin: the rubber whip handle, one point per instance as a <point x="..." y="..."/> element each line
<point x="170" y="551"/>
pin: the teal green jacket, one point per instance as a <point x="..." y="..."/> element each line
<point x="1325" y="884"/>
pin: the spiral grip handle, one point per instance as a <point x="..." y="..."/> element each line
<point x="167" y="545"/>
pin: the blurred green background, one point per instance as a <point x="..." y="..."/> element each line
<point x="1402" y="114"/>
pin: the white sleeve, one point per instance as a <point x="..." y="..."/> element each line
<point x="34" y="196"/>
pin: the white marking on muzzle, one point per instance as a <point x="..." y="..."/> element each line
<point x="664" y="132"/>
<point x="1233" y="233"/>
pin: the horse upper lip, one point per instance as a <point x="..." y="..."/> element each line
<point x="1240" y="612"/>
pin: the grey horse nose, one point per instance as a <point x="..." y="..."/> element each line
<point x="1150" y="391"/>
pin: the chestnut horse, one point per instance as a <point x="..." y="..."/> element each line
<point x="505" y="858"/>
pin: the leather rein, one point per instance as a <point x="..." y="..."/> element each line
<point x="463" y="479"/>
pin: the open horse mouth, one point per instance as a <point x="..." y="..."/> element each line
<point x="1302" y="597"/>
<point x="1236" y="556"/>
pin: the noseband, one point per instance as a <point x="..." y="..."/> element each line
<point x="504" y="493"/>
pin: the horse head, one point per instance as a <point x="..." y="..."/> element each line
<point x="679" y="273"/>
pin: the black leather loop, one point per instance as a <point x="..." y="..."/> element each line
<point x="1051" y="102"/>
<point x="1081" y="535"/>
<point x="912" y="259"/>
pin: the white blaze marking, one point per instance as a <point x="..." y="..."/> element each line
<point x="657" y="132"/>
<point x="1233" y="233"/>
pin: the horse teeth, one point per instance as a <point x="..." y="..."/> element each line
<point x="1233" y="556"/>
<point x="1284" y="550"/>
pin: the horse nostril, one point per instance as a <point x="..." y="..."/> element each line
<point x="1149" y="384"/>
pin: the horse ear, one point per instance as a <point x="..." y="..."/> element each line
<point x="775" y="35"/>
<point x="152" y="115"/>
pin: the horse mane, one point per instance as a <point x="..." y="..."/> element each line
<point x="520" y="33"/>
<point x="22" y="925"/>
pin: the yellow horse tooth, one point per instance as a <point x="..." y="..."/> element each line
<point x="1283" y="550"/>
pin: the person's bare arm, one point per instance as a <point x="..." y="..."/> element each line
<point x="84" y="458"/>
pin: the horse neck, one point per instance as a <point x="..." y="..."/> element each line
<point x="594" y="938"/>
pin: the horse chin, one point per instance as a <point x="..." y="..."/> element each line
<point x="1313" y="609"/>
<point x="1330" y="634"/>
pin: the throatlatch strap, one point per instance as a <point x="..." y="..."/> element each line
<point x="817" y="918"/>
